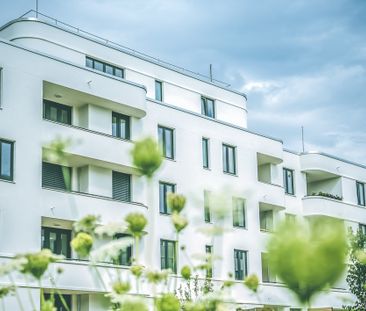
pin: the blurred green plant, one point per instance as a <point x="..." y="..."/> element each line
<point x="146" y="156"/>
<point x="356" y="275"/>
<point x="82" y="244"/>
<point x="308" y="257"/>
<point x="168" y="302"/>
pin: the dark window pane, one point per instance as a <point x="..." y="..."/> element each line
<point x="158" y="90"/>
<point x="208" y="107"/>
<point x="229" y="159"/>
<point x="58" y="302"/>
<point x="89" y="62"/>
<point x="109" y="69"/>
<point x="240" y="264"/>
<point x="118" y="73"/>
<point x="209" y="270"/>
<point x="125" y="258"/>
<point x="98" y="65"/>
<point x="207" y="208"/>
<point x="238" y="212"/>
<point x="56" y="176"/>
<point x="360" y="193"/>
<point x="164" y="190"/>
<point x="57" y="112"/>
<point x="288" y="181"/>
<point x="121" y="184"/>
<point x="120" y="125"/>
<point x="6" y="160"/>
<point x="205" y="152"/>
<point x="57" y="240"/>
<point x="168" y="255"/>
<point x="166" y="141"/>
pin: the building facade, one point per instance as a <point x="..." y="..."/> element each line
<point x="60" y="82"/>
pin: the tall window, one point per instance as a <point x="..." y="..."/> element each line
<point x="125" y="257"/>
<point x="56" y="176"/>
<point x="159" y="90"/>
<point x="6" y="160"/>
<point x="166" y="141"/>
<point x="57" y="112"/>
<point x="267" y="274"/>
<point x="164" y="190"/>
<point x="239" y="212"/>
<point x="360" y="193"/>
<point x="120" y="125"/>
<point x="59" y="305"/>
<point x="208" y="107"/>
<point x="121" y="186"/>
<point x="288" y="181"/>
<point x="205" y="153"/>
<point x="240" y="264"/>
<point x="57" y="240"/>
<point x="209" y="270"/>
<point x="362" y="227"/>
<point x="168" y="255"/>
<point x="106" y="68"/>
<point x="229" y="159"/>
<point x="266" y="220"/>
<point x="206" y="205"/>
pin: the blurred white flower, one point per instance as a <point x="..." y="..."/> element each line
<point x="111" y="250"/>
<point x="111" y="229"/>
<point x="15" y="264"/>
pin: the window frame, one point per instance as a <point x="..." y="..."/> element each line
<point x="127" y="119"/>
<point x="57" y="300"/>
<point x="128" y="249"/>
<point x="205" y="150"/>
<point x="237" y="273"/>
<point x="207" y="206"/>
<point x="285" y="181"/>
<point x="45" y="231"/>
<point x="362" y="228"/>
<point x="160" y="83"/>
<point x="225" y="159"/>
<point x="63" y="168"/>
<point x="166" y="261"/>
<point x="11" y="143"/>
<point x="130" y="191"/>
<point x="163" y="204"/>
<point x="236" y="222"/>
<point x="1" y="87"/>
<point x="270" y="277"/>
<point x="209" y="271"/>
<point x="272" y="222"/>
<point x="104" y="65"/>
<point x="162" y="141"/>
<point x="47" y="104"/>
<point x="361" y="195"/>
<point x="204" y="107"/>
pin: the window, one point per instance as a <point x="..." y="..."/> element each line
<point x="120" y="125"/>
<point x="166" y="141"/>
<point x="205" y="153"/>
<point x="229" y="159"/>
<point x="164" y="190"/>
<point x="360" y="193"/>
<point x="362" y="227"/>
<point x="267" y="275"/>
<point x="206" y="204"/>
<point x="240" y="264"/>
<point x="6" y="160"/>
<point x="208" y="107"/>
<point x="159" y="90"/>
<point x="121" y="186"/>
<point x="56" y="176"/>
<point x="288" y="181"/>
<point x="290" y="218"/>
<point x="59" y="305"/>
<point x="57" y="240"/>
<point x="106" y="68"/>
<point x="209" y="269"/>
<point x="57" y="112"/>
<point x="168" y="255"/>
<point x="239" y="212"/>
<point x="125" y="257"/>
<point x="266" y="220"/>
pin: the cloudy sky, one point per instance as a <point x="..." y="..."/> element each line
<point x="301" y="62"/>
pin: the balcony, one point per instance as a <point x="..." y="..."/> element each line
<point x="323" y="183"/>
<point x="73" y="205"/>
<point x="91" y="147"/>
<point x="323" y="206"/>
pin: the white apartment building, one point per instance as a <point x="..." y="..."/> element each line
<point x="58" y="81"/>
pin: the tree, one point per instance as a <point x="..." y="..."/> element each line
<point x="356" y="277"/>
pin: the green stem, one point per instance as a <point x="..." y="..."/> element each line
<point x="99" y="277"/>
<point x="176" y="261"/>
<point x="30" y="294"/>
<point x="63" y="301"/>
<point x="137" y="240"/>
<point x="16" y="292"/>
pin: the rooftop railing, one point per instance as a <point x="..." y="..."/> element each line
<point x="106" y="42"/>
